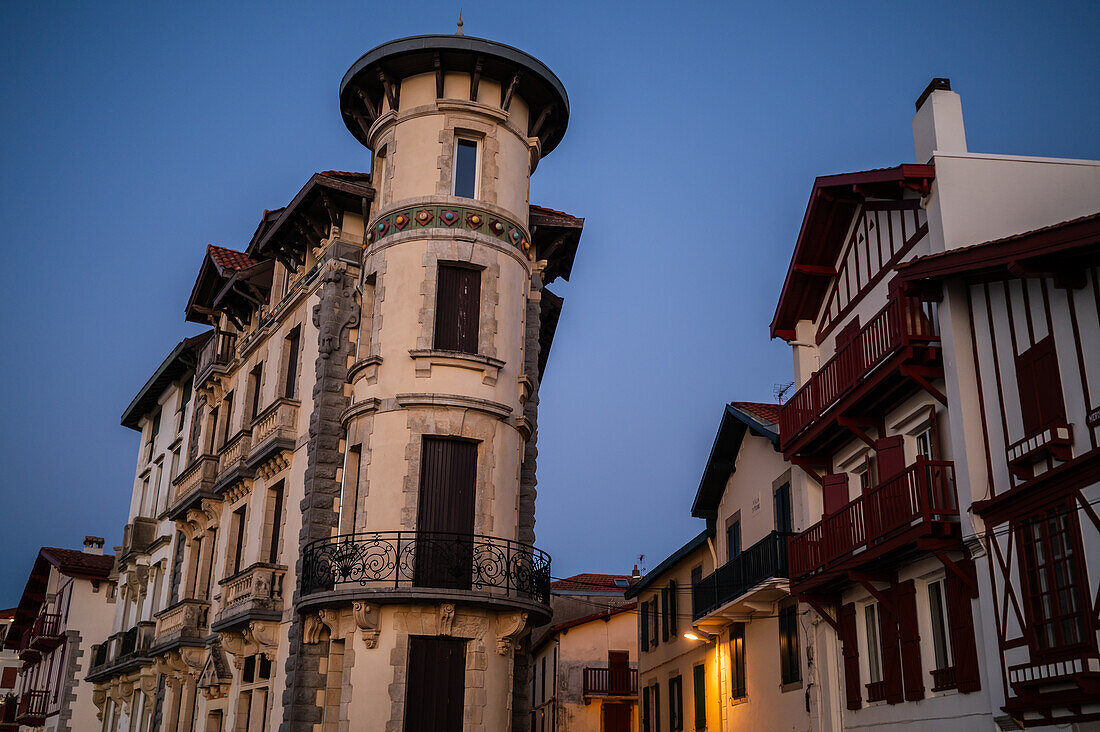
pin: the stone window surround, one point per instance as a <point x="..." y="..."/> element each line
<point x="460" y="251"/>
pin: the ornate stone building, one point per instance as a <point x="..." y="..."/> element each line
<point x="333" y="510"/>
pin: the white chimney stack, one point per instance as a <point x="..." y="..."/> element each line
<point x="938" y="123"/>
<point x="93" y="545"/>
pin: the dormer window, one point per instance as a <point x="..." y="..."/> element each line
<point x="465" y="172"/>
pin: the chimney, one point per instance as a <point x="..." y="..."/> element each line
<point x="938" y="123"/>
<point x="635" y="575"/>
<point x="93" y="545"/>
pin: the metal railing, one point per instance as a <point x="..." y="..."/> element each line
<point x="904" y="321"/>
<point x="763" y="560"/>
<point x="394" y="560"/>
<point x="921" y="494"/>
<point x="605" y="681"/>
<point x="46" y="626"/>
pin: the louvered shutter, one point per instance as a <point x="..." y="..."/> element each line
<point x="905" y="597"/>
<point x="672" y="604"/>
<point x="644" y="616"/>
<point x="834" y="490"/>
<point x="850" y="651"/>
<point x="961" y="616"/>
<point x="891" y="654"/>
<point x="890" y="452"/>
<point x="664" y="614"/>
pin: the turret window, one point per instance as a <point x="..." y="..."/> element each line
<point x="465" y="172"/>
<point x="457" y="308"/>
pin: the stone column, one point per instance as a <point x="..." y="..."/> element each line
<point x="334" y="316"/>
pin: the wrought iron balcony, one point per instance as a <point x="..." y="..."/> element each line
<point x="400" y="561"/>
<point x="904" y="322"/>
<point x="604" y="681"/>
<point x="32" y="708"/>
<point x="920" y="502"/>
<point x="763" y="561"/>
<point x="216" y="355"/>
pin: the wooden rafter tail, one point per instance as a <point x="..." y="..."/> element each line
<point x="506" y="95"/>
<point x="438" y="64"/>
<point x="390" y="89"/>
<point x="967" y="578"/>
<point x="475" y="79"/>
<point x="330" y="209"/>
<point x="537" y="127"/>
<point x="372" y="111"/>
<point x="364" y="125"/>
<point x="818" y="607"/>
<point x="807" y="468"/>
<point x="854" y="426"/>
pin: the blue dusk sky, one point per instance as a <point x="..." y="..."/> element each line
<point x="134" y="134"/>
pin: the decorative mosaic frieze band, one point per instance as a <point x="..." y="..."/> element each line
<point x="451" y="217"/>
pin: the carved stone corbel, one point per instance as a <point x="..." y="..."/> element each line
<point x="312" y="627"/>
<point x="509" y="628"/>
<point x="99" y="698"/>
<point x="367" y="620"/>
<point x="446" y="618"/>
<point x="211" y="511"/>
<point x="265" y="636"/>
<point x="193" y="660"/>
<point x="147" y="682"/>
<point x="235" y="645"/>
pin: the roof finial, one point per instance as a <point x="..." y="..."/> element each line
<point x="459" y="31"/>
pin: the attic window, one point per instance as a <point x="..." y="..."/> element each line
<point x="622" y="583"/>
<point x="465" y="172"/>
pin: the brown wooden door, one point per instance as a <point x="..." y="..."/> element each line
<point x="436" y="688"/>
<point x="618" y="672"/>
<point x="445" y="513"/>
<point x="616" y="717"/>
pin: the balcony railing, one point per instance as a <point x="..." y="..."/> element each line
<point x="763" y="560"/>
<point x="256" y="589"/>
<point x="921" y="495"/>
<point x="396" y="560"/>
<point x="943" y="678"/>
<point x="199" y="476"/>
<point x="604" y="681"/>
<point x="32" y="708"/>
<point x="216" y="355"/>
<point x="185" y="619"/>
<point x="876" y="691"/>
<point x="1082" y="669"/>
<point x="122" y="650"/>
<point x="903" y="322"/>
<point x="46" y="631"/>
<point x="1055" y="440"/>
<point x="235" y="451"/>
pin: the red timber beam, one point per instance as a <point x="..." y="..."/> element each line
<point x="807" y="468"/>
<point x="855" y="426"/>
<point x="867" y="580"/>
<point x="922" y="375"/>
<point x="818" y="604"/>
<point x="968" y="578"/>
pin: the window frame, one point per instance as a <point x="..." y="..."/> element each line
<point x="478" y="144"/>
<point x="439" y="338"/>
<point x="738" y="670"/>
<point x="872" y="635"/>
<point x="941" y="631"/>
<point x="790" y="648"/>
<point x="676" y="703"/>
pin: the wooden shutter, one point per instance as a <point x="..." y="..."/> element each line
<point x="435" y="692"/>
<point x="850" y="651"/>
<point x="656" y="708"/>
<point x="616" y="717"/>
<point x="664" y="614"/>
<point x="1048" y="383"/>
<point x="834" y="490"/>
<point x="457" y="308"/>
<point x="647" y="722"/>
<point x="890" y="452"/>
<point x="672" y="603"/>
<point x="961" y="616"/>
<point x="891" y="653"/>
<point x="644" y="617"/>
<point x="699" y="688"/>
<point x="905" y="597"/>
<point x="445" y="513"/>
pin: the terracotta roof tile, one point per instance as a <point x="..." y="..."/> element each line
<point x="73" y="561"/>
<point x="589" y="582"/>
<point x="550" y="212"/>
<point x="345" y="174"/>
<point x="765" y="412"/>
<point x="229" y="258"/>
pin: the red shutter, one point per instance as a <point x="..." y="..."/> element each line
<point x="1028" y="390"/>
<point x="850" y="650"/>
<point x="905" y="597"/>
<point x="1048" y="392"/>
<point x="890" y="452"/>
<point x="834" y="490"/>
<point x="961" y="616"/>
<point x="891" y="653"/>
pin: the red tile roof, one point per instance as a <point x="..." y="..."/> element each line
<point x="229" y="258"/>
<point x="345" y="174"/>
<point x="765" y="412"/>
<point x="75" y="562"/>
<point x="589" y="582"/>
<point x="543" y="210"/>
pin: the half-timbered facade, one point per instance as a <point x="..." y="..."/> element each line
<point x="1031" y="306"/>
<point x="886" y="435"/>
<point x="65" y="607"/>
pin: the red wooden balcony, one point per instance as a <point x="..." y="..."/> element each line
<point x="32" y="708"/>
<point x="920" y="502"/>
<point x="605" y="681"/>
<point x="46" y="632"/>
<point x="905" y="322"/>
